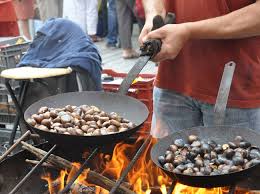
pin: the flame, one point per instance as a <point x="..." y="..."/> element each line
<point x="142" y="178"/>
<point x="183" y="189"/>
<point x="55" y="185"/>
<point x="141" y="175"/>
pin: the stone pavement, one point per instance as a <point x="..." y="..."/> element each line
<point x="112" y="58"/>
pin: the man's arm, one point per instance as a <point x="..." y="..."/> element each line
<point x="152" y="8"/>
<point x="241" y="23"/>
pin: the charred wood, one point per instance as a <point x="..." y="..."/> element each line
<point x="61" y="163"/>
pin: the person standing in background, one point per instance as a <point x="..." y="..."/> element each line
<point x="125" y="26"/>
<point x="112" y="25"/>
<point x="49" y="9"/>
<point x="24" y="11"/>
<point x="84" y="13"/>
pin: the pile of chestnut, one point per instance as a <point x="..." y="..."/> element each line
<point x="203" y="158"/>
<point x="81" y="120"/>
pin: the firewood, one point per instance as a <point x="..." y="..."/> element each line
<point x="75" y="188"/>
<point x="45" y="164"/>
<point x="61" y="163"/>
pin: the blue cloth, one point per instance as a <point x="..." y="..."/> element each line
<point x="62" y="43"/>
<point x="112" y="23"/>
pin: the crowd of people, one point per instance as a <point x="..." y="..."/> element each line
<point x="109" y="19"/>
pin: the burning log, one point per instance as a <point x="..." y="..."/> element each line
<point x="45" y="164"/>
<point x="79" y="188"/>
<point x="54" y="160"/>
<point x="61" y="163"/>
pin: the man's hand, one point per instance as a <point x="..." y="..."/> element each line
<point x="173" y="37"/>
<point x="146" y="29"/>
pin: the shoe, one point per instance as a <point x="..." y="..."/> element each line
<point x="130" y="54"/>
<point x="95" y="38"/>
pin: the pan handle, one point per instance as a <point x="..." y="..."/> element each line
<point x="148" y="51"/>
<point x="223" y="93"/>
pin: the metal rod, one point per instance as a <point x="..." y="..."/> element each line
<point x="28" y="133"/>
<point x="17" y="118"/>
<point x="14" y="99"/>
<point x="130" y="165"/>
<point x="32" y="170"/>
<point x="174" y="182"/>
<point x="83" y="167"/>
<point x="22" y="93"/>
<point x="232" y="189"/>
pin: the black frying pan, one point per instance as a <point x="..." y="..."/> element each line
<point x="127" y="107"/>
<point x="220" y="134"/>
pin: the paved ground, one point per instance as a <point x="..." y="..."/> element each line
<point x="112" y="58"/>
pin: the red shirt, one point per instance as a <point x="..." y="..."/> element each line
<point x="198" y="68"/>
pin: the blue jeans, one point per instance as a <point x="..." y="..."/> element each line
<point x="173" y="112"/>
<point x="112" y="23"/>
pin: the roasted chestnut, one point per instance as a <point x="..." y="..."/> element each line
<point x="229" y="153"/>
<point x="244" y="144"/>
<point x="232" y="145"/>
<point x="196" y="144"/>
<point x="179" y="143"/>
<point x="188" y="171"/>
<point x="205" y="148"/>
<point x="254" y="153"/>
<point x="192" y="138"/>
<point x="238" y="161"/>
<point x="83" y="120"/>
<point x="173" y="148"/>
<point x="168" y="166"/>
<point x="162" y="160"/>
<point x="207" y="158"/>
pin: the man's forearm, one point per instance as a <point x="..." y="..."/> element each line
<point x="242" y="23"/>
<point x="153" y="8"/>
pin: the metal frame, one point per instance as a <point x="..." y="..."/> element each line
<point x="18" y="105"/>
<point x="28" y="175"/>
<point x="232" y="188"/>
<point x="130" y="165"/>
<point x="82" y="168"/>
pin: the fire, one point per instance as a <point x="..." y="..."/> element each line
<point x="179" y="188"/>
<point x="55" y="185"/>
<point x="142" y="179"/>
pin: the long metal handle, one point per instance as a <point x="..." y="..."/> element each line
<point x="223" y="93"/>
<point x="152" y="48"/>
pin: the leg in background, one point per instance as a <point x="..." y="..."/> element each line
<point x="112" y="24"/>
<point x="92" y="18"/>
<point x="76" y="12"/>
<point x="24" y="27"/>
<point x="125" y="24"/>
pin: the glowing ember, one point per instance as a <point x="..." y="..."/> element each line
<point x="142" y="179"/>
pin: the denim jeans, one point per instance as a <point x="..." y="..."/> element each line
<point x="112" y="23"/>
<point x="173" y="112"/>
